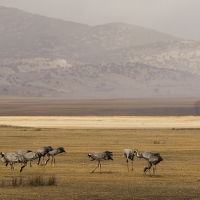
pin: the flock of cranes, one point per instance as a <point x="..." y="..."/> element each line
<point x="25" y="156"/>
<point x="152" y="158"/>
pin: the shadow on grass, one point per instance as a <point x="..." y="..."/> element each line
<point x="153" y="176"/>
<point x="104" y="172"/>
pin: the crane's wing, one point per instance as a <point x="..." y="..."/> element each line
<point x="22" y="152"/>
<point x="13" y="157"/>
<point x="108" y="155"/>
<point x="156" y="154"/>
<point x="155" y="159"/>
<point x="32" y="155"/>
<point x="147" y="155"/>
<point x="53" y="152"/>
<point x="109" y="152"/>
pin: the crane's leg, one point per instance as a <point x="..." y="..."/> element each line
<point x="40" y="159"/>
<point x="47" y="159"/>
<point x="43" y="159"/>
<point x="30" y="166"/>
<point x="148" y="168"/>
<point x="11" y="167"/>
<point x="154" y="169"/>
<point x="52" y="160"/>
<point x="132" y="164"/>
<point x="96" y="167"/>
<point x="145" y="169"/>
<point x="100" y="166"/>
<point x="38" y="162"/>
<point x="150" y="165"/>
<point x="127" y="165"/>
<point x="24" y="165"/>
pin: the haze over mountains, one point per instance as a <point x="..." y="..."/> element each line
<point x="41" y="56"/>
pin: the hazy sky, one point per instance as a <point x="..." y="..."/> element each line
<point x="177" y="17"/>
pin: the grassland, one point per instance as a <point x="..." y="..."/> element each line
<point x="177" y="177"/>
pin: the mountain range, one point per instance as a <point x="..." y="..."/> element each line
<point x="46" y="57"/>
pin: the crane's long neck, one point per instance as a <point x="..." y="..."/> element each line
<point x="139" y="156"/>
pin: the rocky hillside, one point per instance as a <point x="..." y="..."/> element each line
<point x="41" y="56"/>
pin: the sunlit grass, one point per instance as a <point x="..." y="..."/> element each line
<point x="178" y="176"/>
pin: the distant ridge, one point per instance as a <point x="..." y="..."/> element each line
<point x="46" y="57"/>
<point x="20" y="29"/>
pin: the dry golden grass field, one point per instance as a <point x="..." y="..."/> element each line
<point x="177" y="139"/>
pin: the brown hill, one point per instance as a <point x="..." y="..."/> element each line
<point x="42" y="56"/>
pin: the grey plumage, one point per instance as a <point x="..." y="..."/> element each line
<point x="128" y="153"/>
<point x="152" y="158"/>
<point x="22" y="152"/>
<point x="54" y="152"/>
<point x="30" y="156"/>
<point x="13" y="158"/>
<point x="98" y="156"/>
<point x="44" y="151"/>
<point x="5" y="160"/>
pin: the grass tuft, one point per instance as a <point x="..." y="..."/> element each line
<point x="3" y="183"/>
<point x="52" y="180"/>
<point x="41" y="180"/>
<point x="36" y="180"/>
<point x="14" y="182"/>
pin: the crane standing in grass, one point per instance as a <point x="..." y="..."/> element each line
<point x="13" y="158"/>
<point x="54" y="152"/>
<point x="151" y="158"/>
<point x="30" y="156"/>
<point x="128" y="153"/>
<point x="43" y="151"/>
<point x="98" y="156"/>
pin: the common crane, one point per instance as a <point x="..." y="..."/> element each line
<point x="30" y="156"/>
<point x="98" y="156"/>
<point x="44" y="151"/>
<point x="53" y="153"/>
<point x="128" y="153"/>
<point x="151" y="158"/>
<point x="13" y="158"/>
